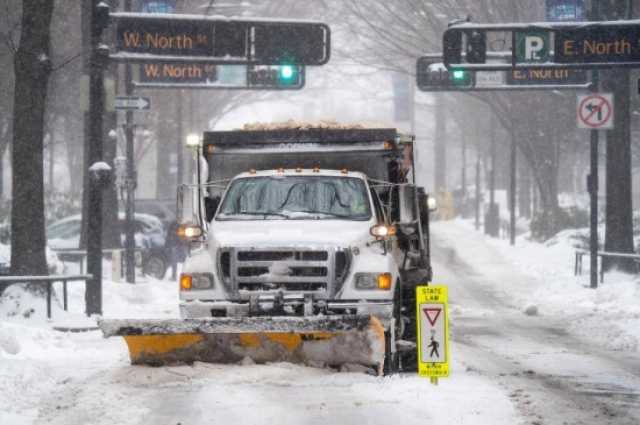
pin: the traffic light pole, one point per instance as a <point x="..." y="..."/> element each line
<point x="130" y="262"/>
<point x="593" y="179"/>
<point x="97" y="62"/>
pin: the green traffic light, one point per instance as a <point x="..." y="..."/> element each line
<point x="286" y="72"/>
<point x="287" y="75"/>
<point x="459" y="75"/>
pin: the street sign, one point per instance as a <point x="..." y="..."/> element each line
<point x="132" y="103"/>
<point x="177" y="72"/>
<point x="536" y="76"/>
<point x="550" y="45"/>
<point x="432" y="76"/>
<point x="596" y="111"/>
<point x="158" y="6"/>
<point x="183" y="75"/>
<point x="607" y="44"/>
<point x="490" y="79"/>
<point x="565" y="10"/>
<point x="433" y="331"/>
<point x="142" y="37"/>
<point x="532" y="46"/>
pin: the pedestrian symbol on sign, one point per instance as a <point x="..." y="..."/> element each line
<point x="434" y="346"/>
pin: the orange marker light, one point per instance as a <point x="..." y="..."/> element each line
<point x="384" y="281"/>
<point x="211" y="148"/>
<point x="186" y="282"/>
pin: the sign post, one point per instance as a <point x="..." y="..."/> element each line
<point x="432" y="332"/>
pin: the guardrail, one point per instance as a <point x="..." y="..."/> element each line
<point x="48" y="281"/>
<point x="602" y="254"/>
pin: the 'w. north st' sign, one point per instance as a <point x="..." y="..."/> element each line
<point x="145" y="38"/>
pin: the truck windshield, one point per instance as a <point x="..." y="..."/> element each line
<point x="296" y="198"/>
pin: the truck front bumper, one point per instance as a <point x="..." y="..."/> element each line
<point x="383" y="310"/>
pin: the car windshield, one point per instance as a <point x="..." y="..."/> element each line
<point x="64" y="230"/>
<point x="296" y="198"/>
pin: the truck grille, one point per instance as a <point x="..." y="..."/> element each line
<point x="320" y="272"/>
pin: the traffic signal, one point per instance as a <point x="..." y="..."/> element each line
<point x="283" y="77"/>
<point x="460" y="77"/>
<point x="452" y="46"/>
<point x="432" y="76"/>
<point x="476" y="47"/>
<point x="287" y="75"/>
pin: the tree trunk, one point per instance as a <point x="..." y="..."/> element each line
<point x="32" y="69"/>
<point x="524" y="198"/>
<point x="549" y="219"/>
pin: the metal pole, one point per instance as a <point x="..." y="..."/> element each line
<point x="130" y="245"/>
<point x="464" y="168"/>
<point x="478" y="193"/>
<point x="49" y="300"/>
<point x="593" y="177"/>
<point x="94" y="220"/>
<point x="179" y="142"/>
<point x="512" y="189"/>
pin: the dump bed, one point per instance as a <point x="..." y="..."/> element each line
<point x="374" y="152"/>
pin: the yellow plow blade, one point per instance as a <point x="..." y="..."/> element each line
<point x="328" y="340"/>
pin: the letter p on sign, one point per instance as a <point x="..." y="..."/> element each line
<point x="532" y="47"/>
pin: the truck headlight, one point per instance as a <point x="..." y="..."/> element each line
<point x="382" y="231"/>
<point x="189" y="232"/>
<point x="196" y="281"/>
<point x="373" y="281"/>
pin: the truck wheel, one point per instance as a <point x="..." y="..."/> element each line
<point x="391" y="354"/>
<point x="155" y="266"/>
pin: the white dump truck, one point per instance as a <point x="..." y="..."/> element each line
<point x="307" y="245"/>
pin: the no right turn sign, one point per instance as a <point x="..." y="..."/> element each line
<point x="595" y="111"/>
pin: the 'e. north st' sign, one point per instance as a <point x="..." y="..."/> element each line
<point x="603" y="44"/>
<point x="149" y="38"/>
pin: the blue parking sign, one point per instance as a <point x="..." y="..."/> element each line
<point x="565" y="10"/>
<point x="158" y="6"/>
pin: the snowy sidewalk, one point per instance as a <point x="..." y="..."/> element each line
<point x="540" y="276"/>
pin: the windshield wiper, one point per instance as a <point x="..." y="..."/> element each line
<point x="264" y="214"/>
<point x="331" y="214"/>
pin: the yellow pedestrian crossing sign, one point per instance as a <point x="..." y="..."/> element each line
<point x="433" y="331"/>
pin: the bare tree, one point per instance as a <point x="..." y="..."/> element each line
<point x="32" y="70"/>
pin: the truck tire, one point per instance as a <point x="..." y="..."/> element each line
<point x="391" y="354"/>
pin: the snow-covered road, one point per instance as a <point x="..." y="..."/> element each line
<point x="551" y="376"/>
<point x="508" y="367"/>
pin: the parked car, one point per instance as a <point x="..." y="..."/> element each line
<point x="149" y="237"/>
<point x="165" y="210"/>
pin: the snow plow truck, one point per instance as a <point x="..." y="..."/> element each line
<point x="306" y="246"/>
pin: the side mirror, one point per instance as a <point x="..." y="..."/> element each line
<point x="407" y="197"/>
<point x="211" y="206"/>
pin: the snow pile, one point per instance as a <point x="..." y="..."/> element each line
<point x="306" y="125"/>
<point x="539" y="277"/>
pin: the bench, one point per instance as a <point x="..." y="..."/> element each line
<point x="48" y="281"/>
<point x="602" y="254"/>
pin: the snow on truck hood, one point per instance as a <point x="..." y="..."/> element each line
<point x="284" y="233"/>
